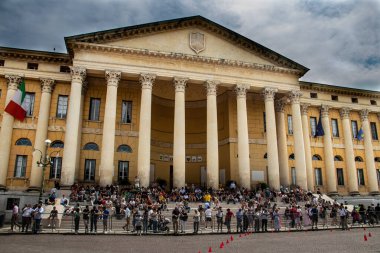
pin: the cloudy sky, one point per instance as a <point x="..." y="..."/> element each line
<point x="338" y="40"/>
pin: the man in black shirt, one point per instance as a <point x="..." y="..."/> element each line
<point x="86" y="216"/>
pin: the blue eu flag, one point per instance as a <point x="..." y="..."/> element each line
<point x="360" y="135"/>
<point x="319" y="131"/>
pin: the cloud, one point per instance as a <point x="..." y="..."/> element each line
<point x="338" y="40"/>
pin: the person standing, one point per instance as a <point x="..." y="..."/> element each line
<point x="264" y="220"/>
<point x="343" y="217"/>
<point x="94" y="215"/>
<point x="37" y="218"/>
<point x="127" y="216"/>
<point x="106" y="214"/>
<point x="175" y="217"/>
<point x="14" y="219"/>
<point x="228" y="219"/>
<point x="76" y="220"/>
<point x="276" y="219"/>
<point x="53" y="217"/>
<point x="377" y="211"/>
<point x="26" y="217"/>
<point x="239" y="221"/>
<point x="208" y="216"/>
<point x="86" y="217"/>
<point x="154" y="219"/>
<point x="196" y="218"/>
<point x="183" y="218"/>
<point x="314" y="217"/>
<point x="219" y="219"/>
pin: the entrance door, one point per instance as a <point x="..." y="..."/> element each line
<point x="171" y="177"/>
<point x="151" y="174"/>
<point x="203" y="176"/>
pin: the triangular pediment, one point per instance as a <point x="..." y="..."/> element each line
<point x="195" y="36"/>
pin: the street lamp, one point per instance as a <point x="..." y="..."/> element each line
<point x="45" y="160"/>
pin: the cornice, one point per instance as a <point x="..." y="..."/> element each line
<point x="33" y="55"/>
<point x="338" y="90"/>
<point x="181" y="56"/>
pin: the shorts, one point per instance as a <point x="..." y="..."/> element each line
<point x="208" y="219"/>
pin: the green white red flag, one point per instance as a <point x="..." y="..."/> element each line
<point x="17" y="107"/>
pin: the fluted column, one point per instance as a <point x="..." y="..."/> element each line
<point x="349" y="152"/>
<point x="272" y="151"/>
<point x="328" y="151"/>
<point x="373" y="187"/>
<point x="243" y="141"/>
<point x="143" y="160"/>
<point x="6" y="130"/>
<point x="78" y="74"/>
<point x="306" y="139"/>
<point x="47" y="86"/>
<point x="282" y="143"/>
<point x="212" y="136"/>
<point x="179" y="149"/>
<point x="108" y="139"/>
<point x="77" y="164"/>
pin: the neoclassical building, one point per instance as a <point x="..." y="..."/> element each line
<point x="184" y="100"/>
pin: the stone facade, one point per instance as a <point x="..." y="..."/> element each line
<point x="235" y="108"/>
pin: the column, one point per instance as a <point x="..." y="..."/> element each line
<point x="143" y="160"/>
<point x="306" y="139"/>
<point x="272" y="151"/>
<point x="108" y="139"/>
<point x="328" y="150"/>
<point x="78" y="74"/>
<point x="282" y="143"/>
<point x="212" y="136"/>
<point x="6" y="130"/>
<point x="349" y="152"/>
<point x="179" y="149"/>
<point x="77" y="164"/>
<point x="47" y="86"/>
<point x="373" y="187"/>
<point x="243" y="141"/>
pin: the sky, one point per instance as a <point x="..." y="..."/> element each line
<point x="338" y="40"/>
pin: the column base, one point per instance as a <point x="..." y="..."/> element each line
<point x="374" y="193"/>
<point x="33" y="189"/>
<point x="354" y="193"/>
<point x="3" y="188"/>
<point x="333" y="194"/>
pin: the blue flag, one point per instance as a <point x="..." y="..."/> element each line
<point x="319" y="131"/>
<point x="360" y="135"/>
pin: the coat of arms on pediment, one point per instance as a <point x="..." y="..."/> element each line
<point x="197" y="42"/>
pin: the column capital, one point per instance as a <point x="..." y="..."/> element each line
<point x="279" y="106"/>
<point x="269" y="93"/>
<point x="241" y="90"/>
<point x="304" y="108"/>
<point x="180" y="83"/>
<point x="345" y="112"/>
<point x="113" y="77"/>
<point x="147" y="80"/>
<point x="294" y="96"/>
<point x="78" y="73"/>
<point x="211" y="87"/>
<point x="364" y="114"/>
<point x="47" y="85"/>
<point x="325" y="110"/>
<point x="13" y="81"/>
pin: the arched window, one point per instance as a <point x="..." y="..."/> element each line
<point x="377" y="159"/>
<point x="124" y="148"/>
<point x="91" y="146"/>
<point x="338" y="158"/>
<point x="317" y="158"/>
<point x="266" y="156"/>
<point x="57" y="144"/>
<point x="358" y="159"/>
<point x="291" y="157"/>
<point x="23" y="142"/>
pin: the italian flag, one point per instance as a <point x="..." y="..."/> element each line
<point x="17" y="106"/>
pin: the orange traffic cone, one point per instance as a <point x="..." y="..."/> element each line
<point x="369" y="234"/>
<point x="232" y="238"/>
<point x="365" y="237"/>
<point x="221" y="245"/>
<point x="227" y="242"/>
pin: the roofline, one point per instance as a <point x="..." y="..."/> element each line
<point x="37" y="55"/>
<point x="260" y="47"/>
<point x="341" y="89"/>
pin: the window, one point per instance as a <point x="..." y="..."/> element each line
<point x="313" y="95"/>
<point x="265" y="122"/>
<point x="291" y="157"/>
<point x="354" y="100"/>
<point x="126" y="112"/>
<point x="124" y="148"/>
<point x="290" y="124"/>
<point x="64" y="69"/>
<point x="354" y="128"/>
<point x="318" y="176"/>
<point x="62" y="106"/>
<point x="29" y="103"/>
<point x="335" y="129"/>
<point x="339" y="176"/>
<point x="317" y="158"/>
<point x="361" y="177"/>
<point x="377" y="159"/>
<point x="11" y="201"/>
<point x="358" y="159"/>
<point x="334" y="97"/>
<point x="294" y="176"/>
<point x="55" y="168"/>
<point x="373" y="102"/>
<point x="23" y="142"/>
<point x="2" y="63"/>
<point x="89" y="169"/>
<point x="32" y="65"/>
<point x="123" y="171"/>
<point x="338" y="158"/>
<point x="91" y="146"/>
<point x="375" y="137"/>
<point x="57" y="144"/>
<point x="313" y="126"/>
<point x="94" y="109"/>
<point x="20" y="166"/>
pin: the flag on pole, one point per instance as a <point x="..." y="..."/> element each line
<point x="319" y="131"/>
<point x="360" y="135"/>
<point x="17" y="107"/>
